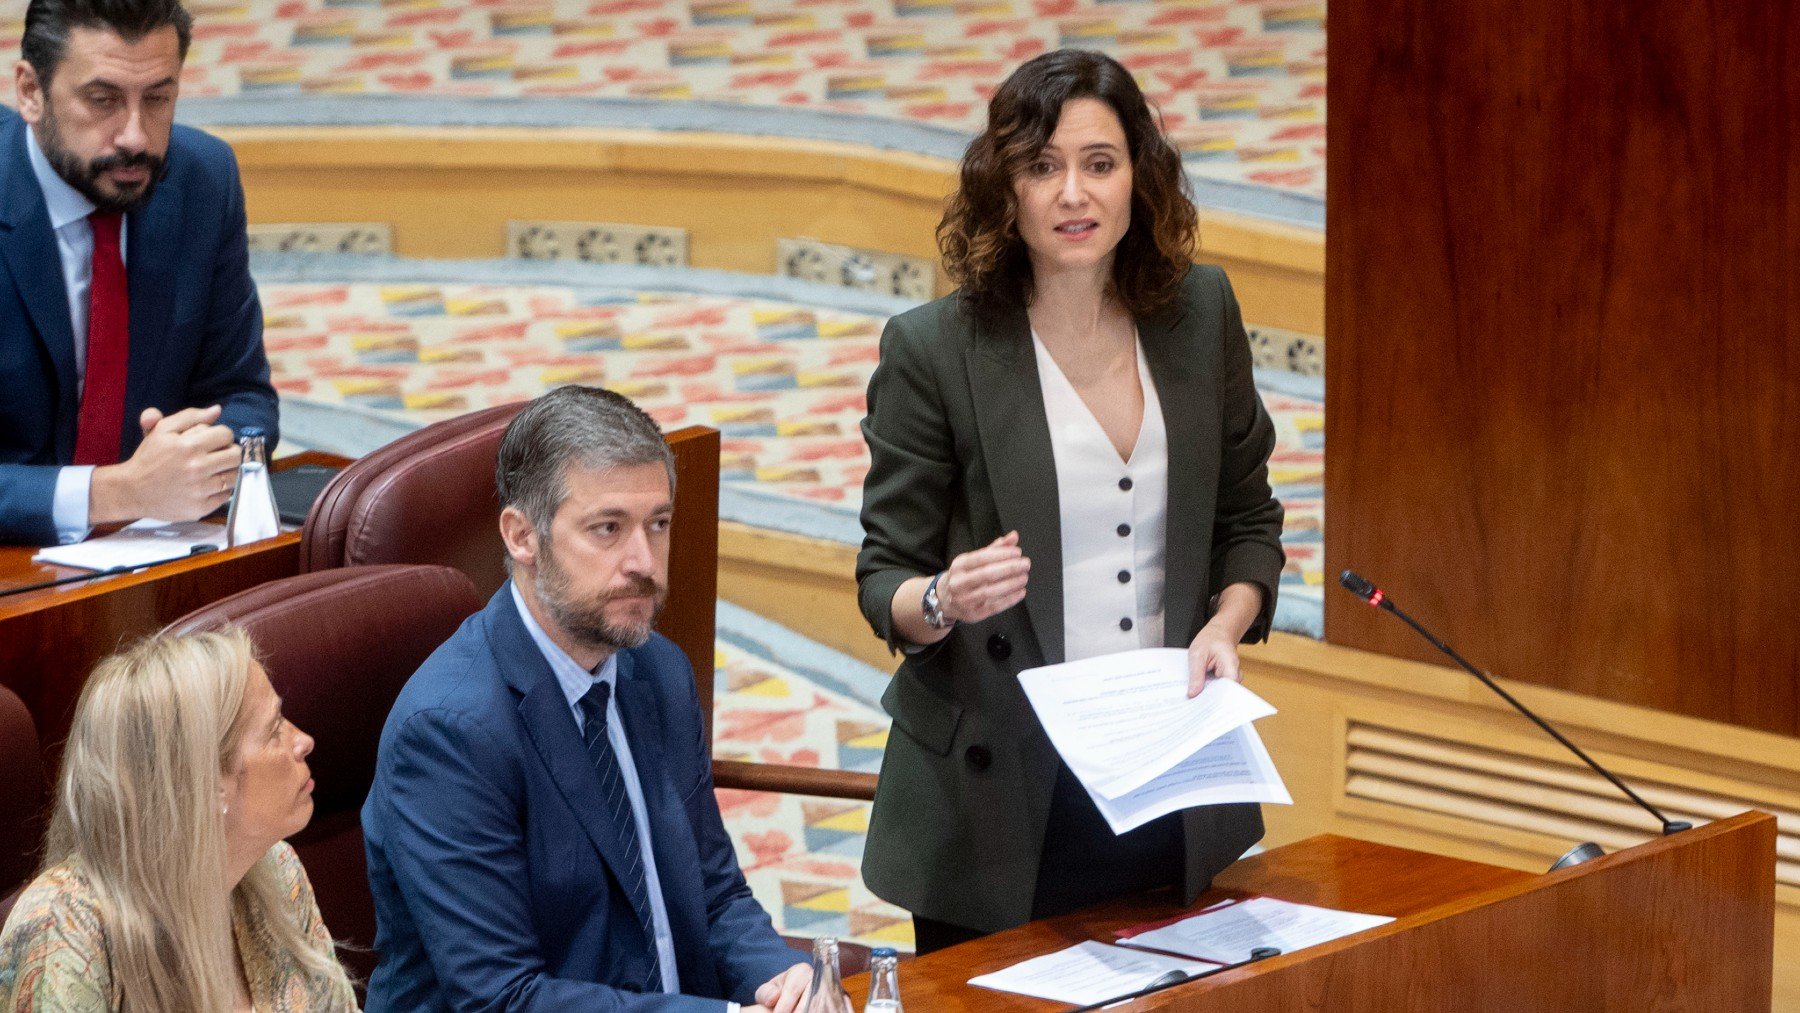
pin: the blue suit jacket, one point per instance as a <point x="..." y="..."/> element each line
<point x="494" y="865"/>
<point x="196" y="325"/>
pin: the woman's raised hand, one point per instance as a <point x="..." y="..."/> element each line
<point x="984" y="582"/>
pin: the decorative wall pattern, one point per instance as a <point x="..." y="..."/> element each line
<point x="1241" y="83"/>
<point x="801" y="855"/>
<point x="784" y="383"/>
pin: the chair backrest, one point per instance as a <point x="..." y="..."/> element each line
<point x="427" y="497"/>
<point x="338" y="646"/>
<point x="23" y="794"/>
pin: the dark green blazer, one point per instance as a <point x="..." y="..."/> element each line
<point x="960" y="455"/>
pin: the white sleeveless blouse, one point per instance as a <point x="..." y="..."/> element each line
<point x="1114" y="518"/>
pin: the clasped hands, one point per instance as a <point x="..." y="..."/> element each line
<point x="182" y="471"/>
<point x="784" y="992"/>
<point x="984" y="582"/>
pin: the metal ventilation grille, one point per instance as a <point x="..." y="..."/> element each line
<point x="1521" y="792"/>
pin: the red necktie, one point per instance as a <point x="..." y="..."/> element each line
<point x="102" y="421"/>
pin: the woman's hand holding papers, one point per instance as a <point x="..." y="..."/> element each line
<point x="1213" y="654"/>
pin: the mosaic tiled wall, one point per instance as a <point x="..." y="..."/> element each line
<point x="801" y="855"/>
<point x="783" y="383"/>
<point x="1240" y="82"/>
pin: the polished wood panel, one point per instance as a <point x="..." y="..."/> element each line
<point x="1680" y="923"/>
<point x="1327" y="870"/>
<point x="1562" y="336"/>
<point x="691" y="615"/>
<point x="1321" y="690"/>
<point x="50" y="638"/>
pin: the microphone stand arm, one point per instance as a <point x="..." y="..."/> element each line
<point x="1668" y="826"/>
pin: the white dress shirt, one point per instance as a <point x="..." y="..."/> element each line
<point x="1114" y="516"/>
<point x="69" y="212"/>
<point x="575" y="682"/>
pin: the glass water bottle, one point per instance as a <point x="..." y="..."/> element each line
<point x="826" y="993"/>
<point x="884" y="981"/>
<point x="252" y="516"/>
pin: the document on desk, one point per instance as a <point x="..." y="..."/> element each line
<point x="1226" y="933"/>
<point x="138" y="544"/>
<point x="1085" y="973"/>
<point x="1141" y="747"/>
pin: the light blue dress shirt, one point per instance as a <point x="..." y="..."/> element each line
<point x="575" y="682"/>
<point x="69" y="212"/>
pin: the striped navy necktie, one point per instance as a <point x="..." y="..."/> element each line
<point x="618" y="811"/>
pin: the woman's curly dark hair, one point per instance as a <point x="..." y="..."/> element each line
<point x="979" y="235"/>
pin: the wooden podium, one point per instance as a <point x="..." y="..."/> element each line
<point x="1679" y="923"/>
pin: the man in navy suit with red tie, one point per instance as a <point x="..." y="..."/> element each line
<point x="130" y="332"/>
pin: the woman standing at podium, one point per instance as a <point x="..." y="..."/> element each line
<point x="1068" y="459"/>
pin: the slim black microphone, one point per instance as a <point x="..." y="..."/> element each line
<point x="1173" y="978"/>
<point x="1361" y="587"/>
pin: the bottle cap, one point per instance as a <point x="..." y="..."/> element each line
<point x="882" y="951"/>
<point x="249" y="431"/>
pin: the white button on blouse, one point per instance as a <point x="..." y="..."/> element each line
<point x="1114" y="517"/>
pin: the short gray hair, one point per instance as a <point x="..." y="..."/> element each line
<point x="588" y="426"/>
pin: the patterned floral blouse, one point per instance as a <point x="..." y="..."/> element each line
<point x="53" y="949"/>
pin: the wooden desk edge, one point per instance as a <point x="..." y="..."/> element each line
<point x="28" y="572"/>
<point x="1742" y="822"/>
<point x="1751" y="821"/>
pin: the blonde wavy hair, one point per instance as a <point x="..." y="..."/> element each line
<point x="137" y="812"/>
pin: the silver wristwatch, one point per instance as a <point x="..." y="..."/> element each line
<point x="934" y="613"/>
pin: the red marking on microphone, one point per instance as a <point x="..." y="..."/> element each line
<point x="1375" y="599"/>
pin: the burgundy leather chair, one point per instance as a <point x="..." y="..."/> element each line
<point x="427" y="497"/>
<point x="338" y="646"/>
<point x="23" y="797"/>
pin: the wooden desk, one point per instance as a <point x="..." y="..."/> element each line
<point x="1684" y="922"/>
<point x="50" y="639"/>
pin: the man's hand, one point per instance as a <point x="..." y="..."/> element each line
<point x="782" y="993"/>
<point x="182" y="471"/>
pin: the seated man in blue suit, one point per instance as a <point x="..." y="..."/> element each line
<point x="542" y="832"/>
<point x="130" y="332"/>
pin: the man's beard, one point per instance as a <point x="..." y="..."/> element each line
<point x="85" y="176"/>
<point x="585" y="619"/>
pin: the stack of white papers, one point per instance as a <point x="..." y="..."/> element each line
<point x="138" y="544"/>
<point x="1226" y="933"/>
<point x="1085" y="973"/>
<point x="1127" y="729"/>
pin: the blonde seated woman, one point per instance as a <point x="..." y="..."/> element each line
<point x="167" y="884"/>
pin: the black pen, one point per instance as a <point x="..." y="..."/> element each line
<point x="1174" y="978"/>
<point x="203" y="547"/>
